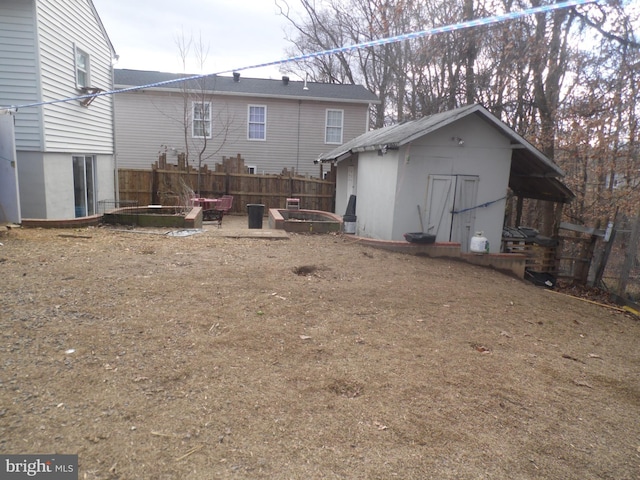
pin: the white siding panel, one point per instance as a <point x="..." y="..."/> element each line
<point x="68" y="125"/>
<point x="147" y="120"/>
<point x="376" y="197"/>
<point x="18" y="69"/>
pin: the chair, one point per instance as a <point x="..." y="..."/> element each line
<point x="223" y="207"/>
<point x="226" y="202"/>
<point x="293" y="204"/>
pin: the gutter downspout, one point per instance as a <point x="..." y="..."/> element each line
<point x="116" y="179"/>
<point x="298" y="138"/>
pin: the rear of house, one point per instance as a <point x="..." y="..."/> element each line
<point x="51" y="50"/>
<point x="273" y="124"/>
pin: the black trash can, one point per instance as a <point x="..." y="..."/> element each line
<point x="256" y="212"/>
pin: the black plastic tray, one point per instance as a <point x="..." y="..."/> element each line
<point x="419" y="237"/>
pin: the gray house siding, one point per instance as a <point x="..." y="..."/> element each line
<point x="69" y="126"/>
<point x="18" y="69"/>
<point x="37" y="64"/>
<point x="295" y="130"/>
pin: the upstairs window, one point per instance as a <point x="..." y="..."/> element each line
<point x="257" y="127"/>
<point x="201" y="114"/>
<point x="82" y="68"/>
<point x="333" y="132"/>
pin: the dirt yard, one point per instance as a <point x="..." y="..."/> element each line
<point x="157" y="357"/>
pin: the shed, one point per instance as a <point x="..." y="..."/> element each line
<point x="448" y="174"/>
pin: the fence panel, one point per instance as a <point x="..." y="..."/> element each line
<point x="174" y="187"/>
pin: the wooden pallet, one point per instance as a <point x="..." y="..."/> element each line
<point x="539" y="258"/>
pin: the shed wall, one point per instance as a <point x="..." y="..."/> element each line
<point x="390" y="187"/>
<point x="377" y="177"/>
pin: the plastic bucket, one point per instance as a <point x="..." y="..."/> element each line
<point x="349" y="223"/>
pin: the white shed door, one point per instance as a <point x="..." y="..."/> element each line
<point x="464" y="212"/>
<point x="440" y="195"/>
<point x="447" y="194"/>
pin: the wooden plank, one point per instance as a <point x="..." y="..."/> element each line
<point x="582" y="229"/>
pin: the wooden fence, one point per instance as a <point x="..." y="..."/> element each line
<point x="168" y="184"/>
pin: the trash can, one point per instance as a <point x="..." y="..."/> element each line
<point x="256" y="212"/>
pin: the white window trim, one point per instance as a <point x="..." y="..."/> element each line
<point x="327" y="126"/>
<point x="252" y="169"/>
<point x="249" y="123"/>
<point x="193" y="120"/>
<point x="87" y="70"/>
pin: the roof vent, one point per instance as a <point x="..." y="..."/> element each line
<point x="236" y="76"/>
<point x="285" y="80"/>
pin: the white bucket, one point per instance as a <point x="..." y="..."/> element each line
<point x="479" y="243"/>
<point x="349" y="227"/>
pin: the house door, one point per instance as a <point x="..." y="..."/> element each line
<point x="447" y="194"/>
<point x="84" y="185"/>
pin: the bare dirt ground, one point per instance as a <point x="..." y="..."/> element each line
<point x="157" y="357"/>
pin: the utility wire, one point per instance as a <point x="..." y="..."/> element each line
<point x="358" y="46"/>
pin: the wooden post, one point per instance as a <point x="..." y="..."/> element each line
<point x="597" y="281"/>
<point x="588" y="256"/>
<point x="519" y="211"/>
<point x="154" y="187"/>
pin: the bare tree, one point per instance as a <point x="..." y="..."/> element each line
<point x="566" y="80"/>
<point x="205" y="122"/>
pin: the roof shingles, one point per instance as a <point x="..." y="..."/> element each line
<point x="259" y="87"/>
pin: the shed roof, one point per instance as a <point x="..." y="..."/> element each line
<point x="255" y="87"/>
<point x="533" y="175"/>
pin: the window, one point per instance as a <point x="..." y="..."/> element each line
<point x="257" y="127"/>
<point x="82" y="68"/>
<point x="334" y="126"/>
<point x="84" y="168"/>
<point x="252" y="169"/>
<point x="201" y="120"/>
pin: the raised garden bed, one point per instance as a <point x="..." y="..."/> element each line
<point x="304" y="221"/>
<point x="155" y="216"/>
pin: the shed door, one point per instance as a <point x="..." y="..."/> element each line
<point x="447" y="194"/>
<point x="440" y="190"/>
<point x="464" y="213"/>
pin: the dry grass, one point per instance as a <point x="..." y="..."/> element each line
<point x="314" y="357"/>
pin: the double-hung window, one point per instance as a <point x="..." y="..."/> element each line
<point x="333" y="129"/>
<point x="201" y="114"/>
<point x="82" y="68"/>
<point x="257" y="125"/>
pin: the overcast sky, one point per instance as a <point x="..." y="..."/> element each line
<point x="238" y="33"/>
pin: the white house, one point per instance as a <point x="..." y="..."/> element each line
<point x="273" y="124"/>
<point x="447" y="174"/>
<point x="52" y="50"/>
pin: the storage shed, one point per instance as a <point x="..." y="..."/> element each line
<point x="448" y="174"/>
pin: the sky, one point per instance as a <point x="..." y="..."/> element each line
<point x="237" y="33"/>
